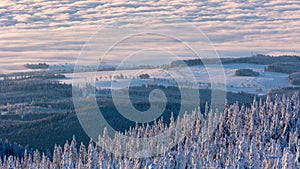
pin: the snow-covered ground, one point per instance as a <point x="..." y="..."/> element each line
<point x="71" y="67"/>
<point x="256" y="85"/>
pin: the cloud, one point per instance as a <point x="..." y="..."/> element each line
<point x="60" y="28"/>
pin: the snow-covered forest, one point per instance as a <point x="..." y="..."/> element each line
<point x="265" y="135"/>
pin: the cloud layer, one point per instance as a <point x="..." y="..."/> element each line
<point x="56" y="30"/>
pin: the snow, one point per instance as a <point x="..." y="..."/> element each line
<point x="256" y="85"/>
<point x="265" y="142"/>
<point x="4" y="113"/>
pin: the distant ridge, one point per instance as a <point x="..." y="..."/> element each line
<point x="37" y="66"/>
<point x="256" y="59"/>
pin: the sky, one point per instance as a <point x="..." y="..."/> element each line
<point x="56" y="31"/>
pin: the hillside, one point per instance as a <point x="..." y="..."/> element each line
<point x="264" y="135"/>
<point x="256" y="59"/>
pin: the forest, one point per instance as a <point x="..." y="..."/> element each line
<point x="43" y="108"/>
<point x="262" y="135"/>
<point x="247" y="134"/>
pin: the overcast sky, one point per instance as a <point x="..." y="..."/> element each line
<point x="49" y="30"/>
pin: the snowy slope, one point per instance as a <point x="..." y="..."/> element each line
<point x="256" y="85"/>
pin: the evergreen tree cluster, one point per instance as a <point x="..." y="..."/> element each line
<point x="264" y="135"/>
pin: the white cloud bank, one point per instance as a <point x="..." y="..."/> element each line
<point x="56" y="30"/>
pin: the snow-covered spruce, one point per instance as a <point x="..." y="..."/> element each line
<point x="265" y="135"/>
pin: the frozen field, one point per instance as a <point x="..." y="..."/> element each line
<point x="119" y="79"/>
